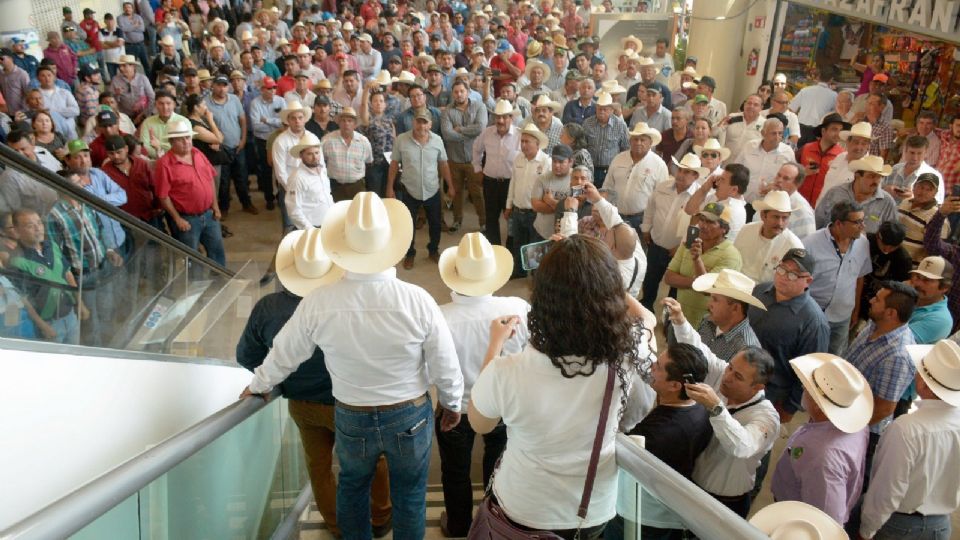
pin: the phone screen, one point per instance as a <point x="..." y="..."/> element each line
<point x="532" y="254"/>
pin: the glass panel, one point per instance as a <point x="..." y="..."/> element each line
<point x="122" y="521"/>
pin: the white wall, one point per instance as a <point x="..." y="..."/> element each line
<point x="66" y="419"/>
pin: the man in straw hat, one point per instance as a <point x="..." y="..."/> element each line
<point x="154" y="128"/>
<point x="794" y="519"/>
<point x="726" y="187"/>
<point x="302" y="267"/>
<point x="544" y="117"/>
<point x="133" y="27"/>
<point x="607" y="134"/>
<point x="380" y="385"/>
<point x="424" y="160"/>
<point x="762" y="244"/>
<point x="473" y="270"/>
<point x="531" y="163"/>
<point x="135" y="95"/>
<point x="913" y="484"/>
<point x="169" y="56"/>
<point x="461" y="123"/>
<point x="537" y="73"/>
<point x="294" y="116"/>
<point x="308" y="196"/>
<point x="764" y="156"/>
<point x="494" y="152"/>
<point x="857" y="139"/>
<point x="878" y="205"/>
<point x="823" y="461"/>
<point x="634" y="173"/>
<point x="347" y="154"/>
<point x="184" y="183"/>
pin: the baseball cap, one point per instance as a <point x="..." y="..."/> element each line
<point x="394" y="60"/>
<point x="190" y="72"/>
<point x="503" y="45"/>
<point x="802" y="257"/>
<point x="268" y="82"/>
<point x="221" y="79"/>
<point x="76" y="146"/>
<point x="930" y="178"/>
<point x="934" y="268"/>
<point x="708" y="80"/>
<point x="88" y="11"/>
<point x="700" y="98"/>
<point x="301" y="75"/>
<point x="17" y="41"/>
<point x="880" y="77"/>
<point x="715" y="212"/>
<point x="561" y="151"/>
<point x="434" y="67"/>
<point x="114" y="143"/>
<point x="321" y="100"/>
<point x="66" y="9"/>
<point x="423" y="115"/>
<point x="106" y="118"/>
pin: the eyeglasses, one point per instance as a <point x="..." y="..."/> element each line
<point x="790" y="274"/>
<point x="710" y="154"/>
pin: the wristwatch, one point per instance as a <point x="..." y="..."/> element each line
<point x="716" y="410"/>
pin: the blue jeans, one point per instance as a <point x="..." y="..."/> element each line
<point x="235" y="172"/>
<point x="431" y="207"/>
<point x="404" y="436"/>
<point x="67" y="328"/>
<point x="914" y="527"/>
<point x="839" y="336"/>
<point x="204" y="231"/>
<point x="376" y="178"/>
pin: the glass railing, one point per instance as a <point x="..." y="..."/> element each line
<point x="75" y="269"/>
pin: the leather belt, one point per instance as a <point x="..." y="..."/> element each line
<point x="416" y="402"/>
<point x="485" y="177"/>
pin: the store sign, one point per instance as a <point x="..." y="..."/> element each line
<point x="938" y="18"/>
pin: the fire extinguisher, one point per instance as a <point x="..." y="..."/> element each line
<point x="752" y="61"/>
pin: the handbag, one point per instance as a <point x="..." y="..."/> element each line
<point x="492" y="523"/>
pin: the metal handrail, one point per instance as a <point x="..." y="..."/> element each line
<point x="72" y="512"/>
<point x="9" y="157"/>
<point x="711" y="520"/>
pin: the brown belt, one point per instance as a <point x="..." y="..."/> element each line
<point x="416" y="402"/>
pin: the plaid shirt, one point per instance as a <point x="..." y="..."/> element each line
<point x="885" y="364"/>
<point x="727" y="344"/>
<point x="76" y="230"/>
<point x="883" y="137"/>
<point x="949" y="162"/>
<point x="346" y="163"/>
<point x="606" y="141"/>
<point x="935" y="246"/>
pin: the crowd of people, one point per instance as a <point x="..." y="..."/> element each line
<point x="801" y="247"/>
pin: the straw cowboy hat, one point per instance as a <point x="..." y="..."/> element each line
<point x="204" y="75"/>
<point x="632" y="40"/>
<point x="532" y="130"/>
<point x="872" y="164"/>
<point x="179" y="128"/>
<point x="367" y="234"/>
<point x="308" y="140"/>
<point x="292" y="106"/>
<point x="712" y="144"/>
<point x="604" y="99"/>
<point x="774" y="200"/>
<point x="641" y="128"/>
<point x="939" y="366"/>
<point x="689" y="71"/>
<point x="303" y="49"/>
<point x="691" y="162"/>
<point x="504" y="107"/>
<point x="645" y="61"/>
<point x="405" y="78"/>
<point x="838" y="388"/>
<point x="795" y="520"/>
<point x="612" y="87"/>
<point x="323" y="84"/>
<point x="282" y="42"/>
<point x="215" y="22"/>
<point x="214" y="43"/>
<point x="538" y="64"/>
<point x="860" y="129"/>
<point x="543" y="100"/>
<point x="534" y="48"/>
<point x="302" y="265"/>
<point x="475" y="267"/>
<point x="729" y="283"/>
<point x="168" y="41"/>
<point x="425" y="56"/>
<point x="246" y="35"/>
<point x="128" y="59"/>
<point x="383" y="78"/>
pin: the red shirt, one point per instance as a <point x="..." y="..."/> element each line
<point x="497" y="63"/>
<point x="141" y="201"/>
<point x="813" y="183"/>
<point x="949" y="163"/>
<point x="92" y="28"/>
<point x="190" y="187"/>
<point x="285" y="84"/>
<point x="98" y="150"/>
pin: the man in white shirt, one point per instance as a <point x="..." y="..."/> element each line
<point x="900" y="182"/>
<point x="384" y="342"/>
<point x="633" y="174"/>
<point x="716" y="109"/>
<point x="528" y="166"/>
<point x="294" y="116"/>
<point x="369" y="59"/>
<point x="779" y="103"/>
<point x="763" y="243"/>
<point x="802" y="220"/>
<point x="812" y="103"/>
<point x="764" y="157"/>
<point x="738" y="129"/>
<point x="468" y="315"/>
<point x="914" y="484"/>
<point x="726" y="188"/>
<point x="308" y="189"/>
<point x="857" y="139"/>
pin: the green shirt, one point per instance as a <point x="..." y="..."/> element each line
<point x="721" y="256"/>
<point x="159" y="128"/>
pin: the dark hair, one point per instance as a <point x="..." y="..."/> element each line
<point x="685" y="359"/>
<point x="190" y="104"/>
<point x="19" y="213"/>
<point x="290" y="57"/>
<point x="842" y="209"/>
<point x="917" y="141"/>
<point x="739" y="176"/>
<point x="460" y="83"/>
<point x="105" y="95"/>
<point x="575" y="131"/>
<point x="18" y="135"/>
<point x="892" y="233"/>
<point x="801" y="172"/>
<point x="930" y="115"/>
<point x="734" y="302"/>
<point x="902" y="298"/>
<point x="45" y="68"/>
<point x="164" y="94"/>
<point x="662" y="40"/>
<point x="761" y="361"/>
<point x="351" y="73"/>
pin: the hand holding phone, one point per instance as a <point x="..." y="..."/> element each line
<point x="693" y="233"/>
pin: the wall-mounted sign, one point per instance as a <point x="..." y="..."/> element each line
<point x="936" y="18"/>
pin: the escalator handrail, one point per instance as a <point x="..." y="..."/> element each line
<point x="11" y="158"/>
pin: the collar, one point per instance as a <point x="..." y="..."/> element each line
<point x="793" y="304"/>
<point x="388" y="274"/>
<point x="469" y="300"/>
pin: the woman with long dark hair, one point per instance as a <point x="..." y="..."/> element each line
<point x="582" y="324"/>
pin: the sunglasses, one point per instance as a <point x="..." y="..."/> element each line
<point x="710" y="154"/>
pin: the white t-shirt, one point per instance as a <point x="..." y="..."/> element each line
<point x="762" y="255"/>
<point x="551" y="423"/>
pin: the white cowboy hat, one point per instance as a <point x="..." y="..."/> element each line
<point x="939" y="365"/>
<point x="216" y="21"/>
<point x="347" y="26"/>
<point x="292" y="106"/>
<point x="860" y="129"/>
<point x="934" y="267"/>
<point x="405" y="77"/>
<point x="604" y="99"/>
<point x="774" y="200"/>
<point x="691" y="162"/>
<point x="425" y="56"/>
<point x="729" y="283"/>
<point x="532" y="130"/>
<point x="795" y="520"/>
<point x="179" y="128"/>
<point x="281" y="42"/>
<point x="168" y="41"/>
<point x="838" y="388"/>
<point x="367" y="234"/>
<point x="641" y="128"/>
<point x="632" y="39"/>
<point x="533" y="63"/>
<point x="690" y="72"/>
<point x="543" y="100"/>
<point x="612" y="87"/>
<point x="504" y="107"/>
<point x="308" y="140"/>
<point x="780" y="78"/>
<point x="475" y="267"/>
<point x="383" y="78"/>
<point x="204" y="74"/>
<point x="214" y="43"/>
<point x="712" y="144"/>
<point x="646" y="61"/>
<point x="245" y="35"/>
<point x="303" y="49"/>
<point x="302" y="265"/>
<point x="872" y="164"/>
<point x="127" y="59"/>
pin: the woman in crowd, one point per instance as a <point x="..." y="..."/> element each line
<point x="46" y="136"/>
<point x="701" y="132"/>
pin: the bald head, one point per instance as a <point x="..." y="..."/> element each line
<point x="624" y="241"/>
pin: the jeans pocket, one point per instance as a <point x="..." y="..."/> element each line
<point x="416" y="440"/>
<point x="350" y="445"/>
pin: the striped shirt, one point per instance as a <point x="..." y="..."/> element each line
<point x="606" y="141"/>
<point x="885" y="364"/>
<point x="915" y="221"/>
<point x="346" y="163"/>
<point x="727" y="344"/>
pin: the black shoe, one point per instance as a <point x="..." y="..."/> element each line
<point x="270" y="205"/>
<point x="267" y="278"/>
<point x="379" y="531"/>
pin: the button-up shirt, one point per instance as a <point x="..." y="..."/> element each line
<point x="933" y="149"/>
<point x="110" y="192"/>
<point x="877" y="209"/>
<point x="420" y="162"/>
<point x="76" y="229"/>
<point x="760" y="254"/>
<point x="885" y="364"/>
<point x="553" y="132"/>
<point x="663" y="209"/>
<point x="908" y="468"/>
<point x="156" y="126"/>
<point x="471" y="122"/>
<point x="283" y="163"/>
<point x="346" y="163"/>
<point x="412" y="350"/>
<point x="736" y="135"/>
<point x="14" y="84"/>
<point x="802" y="221"/>
<point x="899" y="179"/>
<point x="635" y="182"/>
<point x="835" y="279"/>
<point x="189" y="186"/>
<point x="838" y="173"/>
<point x="133" y="97"/>
<point x="718" y="347"/>
<point x="500" y="151"/>
<point x="606" y="140"/>
<point x="308" y="195"/>
<point x="814" y="184"/>
<point x="575" y="112"/>
<point x="813" y="102"/>
<point x="764" y="165"/>
<point x="721" y="256"/>
<point x="137" y="182"/>
<point x="265" y="116"/>
<point x="525" y="175"/>
<point x="659" y="119"/>
<point x="370" y="63"/>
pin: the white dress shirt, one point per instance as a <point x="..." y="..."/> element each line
<point x="315" y="73"/>
<point x="469" y="320"/>
<point x="763" y="165"/>
<point x="897" y="178"/>
<point x="308" y="196"/>
<point x="716" y="111"/>
<point x="734" y="136"/>
<point x="370" y="64"/>
<point x="384" y="341"/>
<point x="635" y="182"/>
<point x="792" y="129"/>
<point x="838" y="174"/>
<point x="915" y="467"/>
<point x="500" y="151"/>
<point x="761" y="255"/>
<point x="814" y="102"/>
<point x="525" y="174"/>
<point x="283" y="162"/>
<point x="660" y="218"/>
<point x="802" y="222"/>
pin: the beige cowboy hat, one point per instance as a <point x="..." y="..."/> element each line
<point x="405" y="77"/>
<point x="127" y="59"/>
<point x="179" y="128"/>
<point x="214" y="43"/>
<point x="641" y="128"/>
<point x="504" y="107"/>
<point x="302" y="265"/>
<point x="838" y="388"/>
<point x="729" y="283"/>
<point x="347" y="111"/>
<point x="461" y="72"/>
<point x="367" y="234"/>
<point x="774" y="200"/>
<point x="534" y="48"/>
<point x="689" y="71"/>
<point x="691" y="162"/>
<point x="282" y="42"/>
<point x="488" y="37"/>
<point x="604" y="99"/>
<point x="347" y="26"/>
<point x="303" y="49"/>
<point x="204" y="75"/>
<point x="308" y="140"/>
<point x="543" y="100"/>
<point x="712" y="144"/>
<point x="215" y="22"/>
<point x="613" y="87"/>
<point x="646" y="61"/>
<point x="538" y="64"/>
<point x="632" y="40"/>
<point x="939" y="365"/>
<point x="246" y="35"/>
<point x="795" y="520"/>
<point x="532" y="130"/>
<point x="292" y="106"/>
<point x="383" y="78"/>
<point x="275" y="15"/>
<point x="425" y="56"/>
<point x="860" y="129"/>
<point x="168" y="41"/>
<point x="475" y="267"/>
<point x="323" y="84"/>
<point x="872" y="164"/>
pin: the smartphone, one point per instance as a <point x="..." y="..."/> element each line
<point x="576" y="191"/>
<point x="814" y="166"/>
<point x="532" y="254"/>
<point x="693" y="233"/>
<point x="687" y="379"/>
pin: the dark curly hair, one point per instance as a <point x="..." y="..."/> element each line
<point x="579" y="309"/>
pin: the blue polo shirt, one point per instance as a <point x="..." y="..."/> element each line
<point x="932" y="323"/>
<point x="835" y="281"/>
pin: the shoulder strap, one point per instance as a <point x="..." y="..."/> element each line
<point x="597" y="443"/>
<point x="636" y="270"/>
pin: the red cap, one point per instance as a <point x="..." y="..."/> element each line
<point x="408" y="53"/>
<point x="268" y="82"/>
<point x="340" y="56"/>
<point x="881" y="77"/>
<point x="469" y="40"/>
